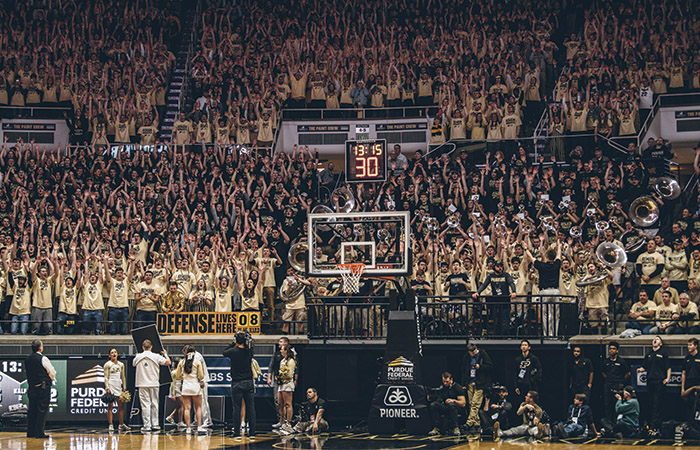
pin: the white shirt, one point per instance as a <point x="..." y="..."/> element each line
<point x="148" y="369"/>
<point x="646" y="98"/>
<point x="198" y="357"/>
<point x="48" y="366"/>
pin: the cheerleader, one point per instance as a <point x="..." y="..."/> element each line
<point x="191" y="373"/>
<point x="285" y="392"/>
<point x="115" y="380"/>
<point x="176" y="396"/>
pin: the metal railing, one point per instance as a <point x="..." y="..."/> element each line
<point x="53" y="112"/>
<point x="185" y="88"/>
<point x="399" y="112"/>
<point x="449" y="318"/>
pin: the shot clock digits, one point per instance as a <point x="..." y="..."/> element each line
<point x="366" y="161"/>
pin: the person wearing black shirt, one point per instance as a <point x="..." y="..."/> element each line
<point x="420" y="285"/>
<point x="40" y="375"/>
<point x="580" y="373"/>
<point x="496" y="409"/>
<point x="242" y="387"/>
<point x="476" y="377"/>
<point x="658" y="368"/>
<point x="528" y="370"/>
<point x="312" y="411"/>
<point x="549" y="287"/>
<point x="444" y="402"/>
<point x="457" y="282"/>
<point x="690" y="377"/>
<point x="502" y="291"/>
<point x="616" y="372"/>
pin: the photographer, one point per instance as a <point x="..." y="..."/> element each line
<point x="627" y="413"/>
<point x="242" y="386"/>
<point x="445" y="402"/>
<point x="532" y="420"/>
<point x="497" y="408"/>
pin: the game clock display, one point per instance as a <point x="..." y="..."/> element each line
<point x="365" y="161"/>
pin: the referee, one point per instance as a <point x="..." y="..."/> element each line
<point x="40" y="376"/>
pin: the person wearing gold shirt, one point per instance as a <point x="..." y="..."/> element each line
<point x="174" y="301"/>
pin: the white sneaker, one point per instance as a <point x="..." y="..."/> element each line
<point x="156" y="428"/>
<point x="287" y="428"/>
<point x="201" y="430"/>
<point x="145" y="429"/>
<point x="169" y="420"/>
<point x="111" y="428"/>
<point x="181" y="425"/>
<point x="188" y="430"/>
<point x="124" y="427"/>
<point x="276" y="426"/>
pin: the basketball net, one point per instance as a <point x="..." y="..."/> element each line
<point x="351" y="274"/>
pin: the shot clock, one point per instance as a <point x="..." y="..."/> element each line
<point x="365" y="161"/>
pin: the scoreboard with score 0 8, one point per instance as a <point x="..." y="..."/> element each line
<point x="366" y="161"/>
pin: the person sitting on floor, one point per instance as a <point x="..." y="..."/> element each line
<point x="532" y="420"/>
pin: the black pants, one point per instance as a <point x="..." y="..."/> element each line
<point x="609" y="400"/>
<point x="243" y="390"/>
<point x="487" y="420"/>
<point x="39" y="399"/>
<point x="440" y="409"/>
<point x="619" y="427"/>
<point x="656" y="392"/>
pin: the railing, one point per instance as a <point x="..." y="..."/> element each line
<point x="449" y="318"/>
<point x="185" y="88"/>
<point x="400" y="112"/>
<point x="34" y="112"/>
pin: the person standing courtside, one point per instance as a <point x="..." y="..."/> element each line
<point x="528" y="370"/>
<point x="616" y="372"/>
<point x="40" y="375"/>
<point x="148" y="381"/>
<point x="242" y="387"/>
<point x="476" y="370"/>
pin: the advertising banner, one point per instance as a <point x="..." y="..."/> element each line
<point x="220" y="377"/>
<point x="198" y="323"/>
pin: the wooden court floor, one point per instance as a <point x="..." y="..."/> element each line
<point x="99" y="439"/>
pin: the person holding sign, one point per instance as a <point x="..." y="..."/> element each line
<point x="147" y="381"/>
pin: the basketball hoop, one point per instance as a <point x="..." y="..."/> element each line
<point x="351" y="274"/>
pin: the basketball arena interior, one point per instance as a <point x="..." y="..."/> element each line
<point x="308" y="224"/>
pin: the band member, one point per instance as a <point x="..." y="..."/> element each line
<point x="40" y="375"/>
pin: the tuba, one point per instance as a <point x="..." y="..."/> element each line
<point x="344" y="193"/>
<point x="636" y="244"/>
<point x="667" y="188"/>
<point x="297" y="256"/>
<point x="295" y="288"/>
<point x="644" y="211"/>
<point x="610" y="255"/>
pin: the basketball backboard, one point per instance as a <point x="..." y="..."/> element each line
<point x="377" y="239"/>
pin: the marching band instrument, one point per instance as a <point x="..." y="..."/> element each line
<point x="644" y="211"/>
<point x="297" y="256"/>
<point x="344" y="193"/>
<point x="667" y="188"/>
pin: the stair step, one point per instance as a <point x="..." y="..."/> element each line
<point x="165" y="127"/>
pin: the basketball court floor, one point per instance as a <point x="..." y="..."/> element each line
<point x="99" y="439"/>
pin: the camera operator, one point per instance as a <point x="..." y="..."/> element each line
<point x="242" y="386"/>
<point x="627" y="415"/>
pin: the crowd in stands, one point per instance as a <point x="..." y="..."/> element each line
<point x="107" y="61"/>
<point x="117" y="237"/>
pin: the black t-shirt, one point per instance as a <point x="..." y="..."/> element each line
<point x="443" y="393"/>
<point x="615" y="371"/>
<point x="310" y="410"/>
<point x="580" y="372"/>
<point x="691" y="366"/>
<point x="656" y="364"/>
<point x="549" y="274"/>
<point x="420" y="288"/>
<point x="456" y="287"/>
<point x="240" y="363"/>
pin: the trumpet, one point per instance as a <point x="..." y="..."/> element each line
<point x="602" y="226"/>
<point x="358" y="229"/>
<point x="383" y="235"/>
<point x="452" y="221"/>
<point x="564" y="205"/>
<point x="575" y="232"/>
<point x="432" y="224"/>
<point x="548" y="223"/>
